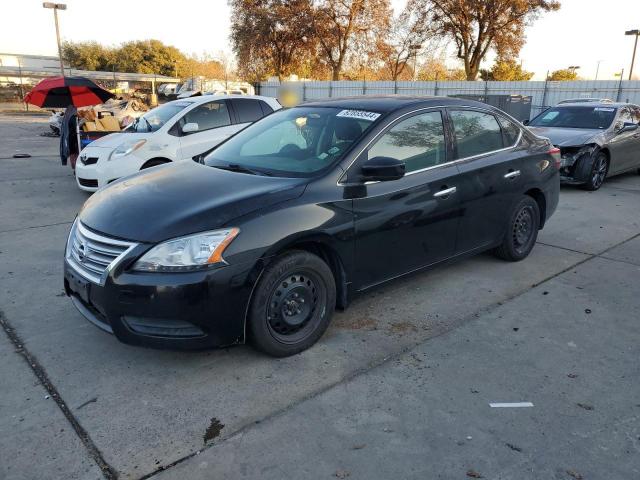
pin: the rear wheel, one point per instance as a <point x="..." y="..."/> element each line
<point x="292" y="304"/>
<point x="598" y="172"/>
<point x="522" y="231"/>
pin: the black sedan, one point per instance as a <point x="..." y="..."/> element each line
<point x="299" y="212"/>
<point x="596" y="140"/>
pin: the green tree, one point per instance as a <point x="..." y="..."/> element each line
<point x="87" y="56"/>
<point x="563" y="75"/>
<point x="477" y="26"/>
<point x="506" y="70"/>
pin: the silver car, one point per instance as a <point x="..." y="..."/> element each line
<point x="596" y="140"/>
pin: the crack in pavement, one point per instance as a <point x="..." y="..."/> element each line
<point x="107" y="470"/>
<point x="36" y="226"/>
<point x="110" y="473"/>
<point x="383" y="361"/>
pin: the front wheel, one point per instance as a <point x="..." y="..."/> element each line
<point x="598" y="172"/>
<point x="522" y="231"/>
<point x="292" y="304"/>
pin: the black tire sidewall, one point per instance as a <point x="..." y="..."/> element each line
<point x="589" y="185"/>
<point x="508" y="245"/>
<point x="258" y="330"/>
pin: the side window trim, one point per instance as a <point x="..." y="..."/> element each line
<point x="346" y="177"/>
<point x="445" y="131"/>
<point x="484" y="154"/>
<point x="501" y="121"/>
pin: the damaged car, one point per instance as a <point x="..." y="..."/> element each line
<point x="596" y="140"/>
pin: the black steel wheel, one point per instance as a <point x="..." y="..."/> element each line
<point x="598" y="172"/>
<point x="522" y="231"/>
<point x="292" y="304"/>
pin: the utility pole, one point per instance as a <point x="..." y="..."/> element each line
<point x="598" y="69"/>
<point x="56" y="7"/>
<point x="636" y="33"/>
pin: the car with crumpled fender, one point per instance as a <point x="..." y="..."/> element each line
<point x="596" y="140"/>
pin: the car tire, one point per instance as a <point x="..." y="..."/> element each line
<point x="598" y="172"/>
<point x="522" y="231"/>
<point x="292" y="304"/>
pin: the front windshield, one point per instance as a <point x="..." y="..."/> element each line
<point x="576" y="117"/>
<point x="154" y="119"/>
<point x="296" y="142"/>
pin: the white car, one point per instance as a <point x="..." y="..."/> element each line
<point x="178" y="130"/>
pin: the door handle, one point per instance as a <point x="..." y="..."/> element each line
<point x="445" y="193"/>
<point x="512" y="175"/>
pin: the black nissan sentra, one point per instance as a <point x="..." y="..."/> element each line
<point x="297" y="213"/>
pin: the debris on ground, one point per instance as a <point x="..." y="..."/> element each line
<point x="513" y="447"/>
<point x="473" y="474"/>
<point x="572" y="375"/>
<point x="574" y="474"/>
<point x="587" y="310"/>
<point x="21" y="155"/>
<point x="340" y="473"/>
<point x="586" y="406"/>
<point x="213" y="430"/>
<point x="359" y="447"/>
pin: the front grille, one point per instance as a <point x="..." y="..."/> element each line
<point x="85" y="182"/>
<point x="92" y="255"/>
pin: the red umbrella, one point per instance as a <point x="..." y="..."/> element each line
<point x="61" y="92"/>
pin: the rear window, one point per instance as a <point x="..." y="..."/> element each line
<point x="247" y="110"/>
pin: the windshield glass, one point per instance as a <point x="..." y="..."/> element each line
<point x="296" y="142"/>
<point x="156" y="118"/>
<point x="575" y="117"/>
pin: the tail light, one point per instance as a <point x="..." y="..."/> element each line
<point x="557" y="157"/>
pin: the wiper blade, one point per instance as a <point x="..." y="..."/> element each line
<point x="234" y="167"/>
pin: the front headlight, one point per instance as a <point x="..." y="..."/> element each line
<point x="187" y="253"/>
<point x="126" y="148"/>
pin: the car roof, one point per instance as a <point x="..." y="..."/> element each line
<point x="390" y="103"/>
<point x="208" y="98"/>
<point x="594" y="104"/>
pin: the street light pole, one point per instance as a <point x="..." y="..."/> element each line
<point x="56" y="7"/>
<point x="636" y="33"/>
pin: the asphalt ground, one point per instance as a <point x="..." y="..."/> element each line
<point x="399" y="386"/>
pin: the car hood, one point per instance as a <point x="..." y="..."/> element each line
<point x="566" y="137"/>
<point x="113" y="140"/>
<point x="178" y="199"/>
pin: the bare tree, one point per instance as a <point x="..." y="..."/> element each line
<point x="405" y="38"/>
<point x="341" y="26"/>
<point x="476" y="26"/>
<point x="270" y="36"/>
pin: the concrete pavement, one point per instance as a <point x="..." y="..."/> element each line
<point x="147" y="410"/>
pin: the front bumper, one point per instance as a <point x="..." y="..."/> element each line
<point x="191" y="310"/>
<point x="94" y="169"/>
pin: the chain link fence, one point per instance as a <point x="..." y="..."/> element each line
<point x="544" y="93"/>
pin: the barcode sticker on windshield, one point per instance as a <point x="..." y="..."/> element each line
<point x="360" y="114"/>
<point x="603" y="109"/>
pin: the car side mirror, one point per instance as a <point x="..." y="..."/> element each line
<point x="382" y="169"/>
<point x="190" y="127"/>
<point x="628" y="127"/>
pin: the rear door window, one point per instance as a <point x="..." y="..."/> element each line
<point x="247" y="110"/>
<point x="476" y="133"/>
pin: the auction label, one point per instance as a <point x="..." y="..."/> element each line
<point x="360" y="114"/>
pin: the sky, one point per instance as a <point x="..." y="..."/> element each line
<point x="582" y="33"/>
